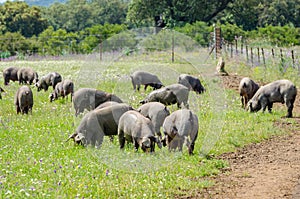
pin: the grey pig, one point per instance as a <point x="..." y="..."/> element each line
<point x="62" y="89"/>
<point x="283" y="91"/>
<point x="156" y="112"/>
<point x="90" y="98"/>
<point x="27" y="76"/>
<point x="51" y="79"/>
<point x="171" y="94"/>
<point x="247" y="89"/>
<point x="139" y="78"/>
<point x="24" y="100"/>
<point x="182" y="125"/>
<point x="191" y="82"/>
<point x="99" y="123"/>
<point x="136" y="128"/>
<point x="10" y="73"/>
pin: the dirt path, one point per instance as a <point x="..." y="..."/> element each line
<point x="270" y="169"/>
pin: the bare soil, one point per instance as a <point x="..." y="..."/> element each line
<point x="270" y="169"/>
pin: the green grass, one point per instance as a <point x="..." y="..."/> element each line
<point x="37" y="162"/>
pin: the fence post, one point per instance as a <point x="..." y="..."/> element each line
<point x="100" y="48"/>
<point x="293" y="58"/>
<point x="236" y="47"/>
<point x="173" y="43"/>
<point x="263" y="56"/>
<point x="217" y="42"/>
<point x="258" y="57"/>
<point x="247" y="53"/>
<point x="231" y="50"/>
<point x="251" y="55"/>
<point x="273" y="54"/>
<point x="242" y="46"/>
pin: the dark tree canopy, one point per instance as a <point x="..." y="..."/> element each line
<point x="19" y="17"/>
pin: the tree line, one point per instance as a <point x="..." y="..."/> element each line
<point x="78" y="26"/>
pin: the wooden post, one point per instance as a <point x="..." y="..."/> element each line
<point x="173" y="43"/>
<point x="231" y="50"/>
<point x="263" y="56"/>
<point x="251" y="55"/>
<point x="273" y="54"/>
<point x="242" y="46"/>
<point x="100" y="48"/>
<point x="247" y="56"/>
<point x="258" y="58"/>
<point x="293" y="58"/>
<point x="217" y="42"/>
<point x="236" y="47"/>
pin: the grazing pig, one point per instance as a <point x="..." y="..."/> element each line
<point x="24" y="100"/>
<point x="107" y="104"/>
<point x="191" y="82"/>
<point x="99" y="123"/>
<point x="62" y="89"/>
<point x="247" y="89"/>
<point x="136" y="128"/>
<point x="182" y="125"/>
<point x="27" y="76"/>
<point x="156" y="112"/>
<point x="1" y="90"/>
<point x="90" y="98"/>
<point x="139" y="78"/>
<point x="10" y="73"/>
<point x="283" y="91"/>
<point x="51" y="79"/>
<point x="171" y="94"/>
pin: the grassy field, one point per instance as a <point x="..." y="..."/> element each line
<point x="36" y="162"/>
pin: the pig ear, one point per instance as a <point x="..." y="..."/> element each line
<point x="142" y="102"/>
<point x="72" y="136"/>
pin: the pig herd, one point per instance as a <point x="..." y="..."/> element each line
<point x="151" y="123"/>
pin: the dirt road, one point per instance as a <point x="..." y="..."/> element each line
<point x="270" y="169"/>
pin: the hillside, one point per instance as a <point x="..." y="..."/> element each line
<point x="40" y="2"/>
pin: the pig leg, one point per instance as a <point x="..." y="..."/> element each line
<point x="121" y="139"/>
<point x="270" y="106"/>
<point x="290" y="106"/>
<point x="136" y="145"/>
<point x="264" y="103"/>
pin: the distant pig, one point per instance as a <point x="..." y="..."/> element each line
<point x="139" y="78"/>
<point x="90" y="98"/>
<point x="283" y="91"/>
<point x="191" y="82"/>
<point x="10" y="73"/>
<point x="51" y="79"/>
<point x="23" y="100"/>
<point x="156" y="112"/>
<point x="247" y="89"/>
<point x="179" y="127"/>
<point x="27" y="76"/>
<point x="99" y="123"/>
<point x="171" y="94"/>
<point x="136" y="128"/>
<point x="62" y="89"/>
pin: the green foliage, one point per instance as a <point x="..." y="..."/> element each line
<point x="280" y="36"/>
<point x="94" y="35"/>
<point x="77" y="15"/>
<point x="19" y="17"/>
<point x="198" y="31"/>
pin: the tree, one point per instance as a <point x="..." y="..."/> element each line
<point x="19" y="17"/>
<point x="76" y="15"/>
<point x="174" y="11"/>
